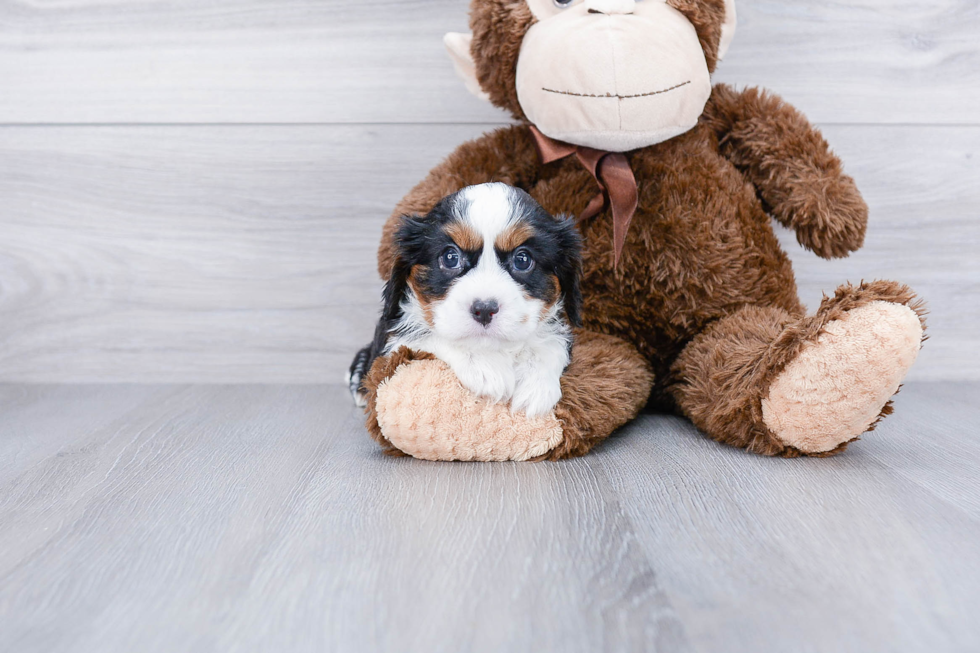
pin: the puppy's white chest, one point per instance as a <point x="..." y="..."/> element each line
<point x="527" y="376"/>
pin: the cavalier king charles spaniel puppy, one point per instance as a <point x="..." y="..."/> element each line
<point x="488" y="282"/>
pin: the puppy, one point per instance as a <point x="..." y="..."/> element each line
<point x="488" y="282"/>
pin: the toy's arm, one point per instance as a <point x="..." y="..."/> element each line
<point x="417" y="407"/>
<point x="800" y="181"/>
<point x="507" y="155"/>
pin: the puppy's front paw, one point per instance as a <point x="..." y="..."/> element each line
<point x="536" y="396"/>
<point x="358" y="368"/>
<point x="495" y="382"/>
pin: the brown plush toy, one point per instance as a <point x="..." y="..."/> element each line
<point x="690" y="304"/>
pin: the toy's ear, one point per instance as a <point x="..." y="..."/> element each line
<point x="458" y="46"/>
<point x="727" y="29"/>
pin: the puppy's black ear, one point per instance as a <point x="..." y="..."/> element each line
<point x="408" y="239"/>
<point x="394" y="292"/>
<point x="569" y="270"/>
<point x="411" y="236"/>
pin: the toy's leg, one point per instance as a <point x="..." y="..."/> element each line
<point x="606" y="385"/>
<point x="782" y="385"/>
<point x="382" y="372"/>
<point x="417" y="407"/>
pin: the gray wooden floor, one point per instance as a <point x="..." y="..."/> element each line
<point x="247" y="518"/>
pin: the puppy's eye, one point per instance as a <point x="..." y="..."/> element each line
<point x="450" y="259"/>
<point x="563" y="3"/>
<point x="522" y="260"/>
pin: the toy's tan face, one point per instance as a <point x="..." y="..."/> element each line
<point x="612" y="74"/>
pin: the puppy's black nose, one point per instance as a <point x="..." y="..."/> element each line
<point x="483" y="312"/>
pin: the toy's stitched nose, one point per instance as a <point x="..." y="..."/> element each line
<point x="610" y="7"/>
<point x="483" y="312"/>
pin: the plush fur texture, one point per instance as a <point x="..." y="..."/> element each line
<point x="702" y="314"/>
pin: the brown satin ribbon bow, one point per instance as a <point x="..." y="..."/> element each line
<point x="614" y="176"/>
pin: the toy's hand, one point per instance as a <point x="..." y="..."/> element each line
<point x="830" y="218"/>
<point x="416" y="406"/>
<point x="800" y="181"/>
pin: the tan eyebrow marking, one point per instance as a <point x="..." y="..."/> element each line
<point x="464" y="236"/>
<point x="513" y="236"/>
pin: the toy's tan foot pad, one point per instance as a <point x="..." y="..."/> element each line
<point x="425" y="412"/>
<point x="836" y="388"/>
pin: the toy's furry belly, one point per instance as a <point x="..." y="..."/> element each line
<point x="699" y="247"/>
<point x="684" y="265"/>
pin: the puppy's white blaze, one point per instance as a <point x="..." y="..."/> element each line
<point x="488" y="209"/>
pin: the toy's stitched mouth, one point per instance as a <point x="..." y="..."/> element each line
<point x="613" y="95"/>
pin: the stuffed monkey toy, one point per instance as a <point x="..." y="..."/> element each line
<point x="690" y="304"/>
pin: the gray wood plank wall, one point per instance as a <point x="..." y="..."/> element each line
<point x="194" y="191"/>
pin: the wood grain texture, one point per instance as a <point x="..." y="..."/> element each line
<point x="874" y="550"/>
<point x="214" y="518"/>
<point x="182" y="61"/>
<point x="264" y="518"/>
<point x="247" y="254"/>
